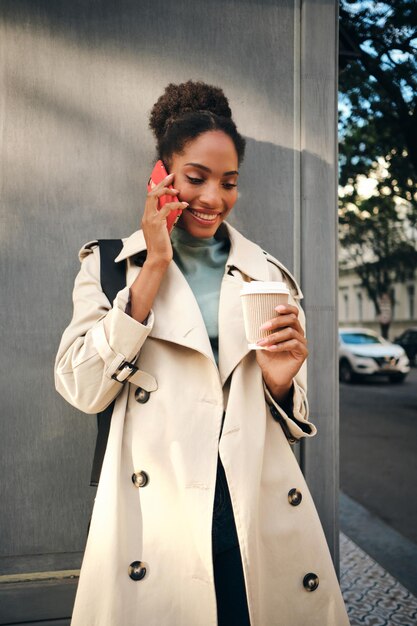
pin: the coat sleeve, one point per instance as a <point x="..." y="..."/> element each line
<point x="294" y="416"/>
<point x="98" y="340"/>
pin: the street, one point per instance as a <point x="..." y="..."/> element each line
<point x="378" y="449"/>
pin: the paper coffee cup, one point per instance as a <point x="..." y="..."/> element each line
<point x="259" y="300"/>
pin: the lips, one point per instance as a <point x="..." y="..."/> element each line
<point x="204" y="217"/>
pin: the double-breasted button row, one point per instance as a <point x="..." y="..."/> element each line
<point x="310" y="581"/>
<point x="140" y="479"/>
<point x="141" y="395"/>
<point x="294" y="497"/>
<point x="137" y="570"/>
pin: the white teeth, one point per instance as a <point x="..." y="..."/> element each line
<point x="204" y="216"/>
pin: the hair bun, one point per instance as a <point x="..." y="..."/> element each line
<point x="188" y="97"/>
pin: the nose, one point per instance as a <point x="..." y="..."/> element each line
<point x="211" y="197"/>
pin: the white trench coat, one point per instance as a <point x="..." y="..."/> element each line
<point x="173" y="436"/>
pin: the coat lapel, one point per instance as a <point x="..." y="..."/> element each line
<point x="178" y="317"/>
<point x="233" y="346"/>
<point x="246" y="262"/>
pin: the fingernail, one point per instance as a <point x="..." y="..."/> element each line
<point x="185" y="203"/>
<point x="280" y="308"/>
<point x="261" y="342"/>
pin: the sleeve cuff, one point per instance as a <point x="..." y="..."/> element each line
<point x="118" y="337"/>
<point x="295" y="426"/>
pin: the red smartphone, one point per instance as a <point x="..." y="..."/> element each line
<point x="158" y="174"/>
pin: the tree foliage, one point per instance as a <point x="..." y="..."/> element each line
<point x="378" y="130"/>
<point x="381" y="253"/>
<point x="379" y="88"/>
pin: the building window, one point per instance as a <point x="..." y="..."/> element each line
<point x="411" y="299"/>
<point x="346" y="305"/>
<point x="360" y="305"/>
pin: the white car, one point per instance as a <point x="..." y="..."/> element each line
<point x="363" y="352"/>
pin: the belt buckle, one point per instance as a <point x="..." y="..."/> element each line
<point x="125" y="365"/>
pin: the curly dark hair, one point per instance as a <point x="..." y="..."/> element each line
<point x="187" y="110"/>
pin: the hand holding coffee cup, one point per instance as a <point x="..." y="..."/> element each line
<point x="275" y="331"/>
<point x="259" y="302"/>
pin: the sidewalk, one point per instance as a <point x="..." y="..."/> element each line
<point x="373" y="597"/>
<point x="378" y="584"/>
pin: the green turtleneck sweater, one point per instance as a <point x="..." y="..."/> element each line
<point x="202" y="261"/>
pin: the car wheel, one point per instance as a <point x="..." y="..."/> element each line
<point x="397" y="378"/>
<point x="346" y="374"/>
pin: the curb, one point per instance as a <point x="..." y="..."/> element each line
<point x="395" y="553"/>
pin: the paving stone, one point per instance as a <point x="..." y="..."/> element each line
<point x="373" y="597"/>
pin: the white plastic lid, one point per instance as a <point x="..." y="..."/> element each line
<point x="257" y="286"/>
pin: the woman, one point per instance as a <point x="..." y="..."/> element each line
<point x="202" y="515"/>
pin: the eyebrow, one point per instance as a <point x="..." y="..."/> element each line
<point x="207" y="169"/>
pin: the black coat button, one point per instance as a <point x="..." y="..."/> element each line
<point x="140" y="479"/>
<point x="311" y="581"/>
<point x="294" y="497"/>
<point x="137" y="570"/>
<point x="141" y="395"/>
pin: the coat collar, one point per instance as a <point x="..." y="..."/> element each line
<point x="244" y="255"/>
<point x="177" y="315"/>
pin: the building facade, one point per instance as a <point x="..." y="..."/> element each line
<point x="357" y="309"/>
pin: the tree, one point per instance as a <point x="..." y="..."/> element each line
<point x="378" y="129"/>
<point x="377" y="247"/>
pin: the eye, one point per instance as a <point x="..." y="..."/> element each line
<point x="195" y="181"/>
<point x="229" y="185"/>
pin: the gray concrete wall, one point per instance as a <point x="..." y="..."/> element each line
<point x="77" y="81"/>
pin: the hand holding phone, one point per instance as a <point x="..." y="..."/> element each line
<point x="156" y="214"/>
<point x="158" y="174"/>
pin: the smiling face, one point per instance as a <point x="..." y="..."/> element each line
<point x="206" y="177"/>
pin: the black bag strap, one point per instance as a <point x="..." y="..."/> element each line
<point x="113" y="279"/>
<point x="112" y="275"/>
